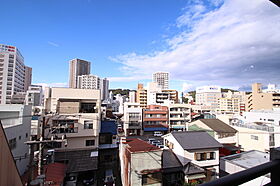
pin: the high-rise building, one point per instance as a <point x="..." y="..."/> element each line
<point x="208" y="95"/>
<point x="12" y="73"/>
<point x="27" y="78"/>
<point x="141" y="95"/>
<point x="88" y="82"/>
<point x="260" y="99"/>
<point x="104" y="87"/>
<point x="94" y="82"/>
<point x="77" y="67"/>
<point x="132" y="96"/>
<point x="162" y="79"/>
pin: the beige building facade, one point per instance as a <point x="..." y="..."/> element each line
<point x="259" y="99"/>
<point x="77" y="67"/>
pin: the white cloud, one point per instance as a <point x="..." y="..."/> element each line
<point x="53" y="44"/>
<point x="218" y="47"/>
<point x="187" y="87"/>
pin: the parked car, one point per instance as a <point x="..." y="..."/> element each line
<point x="150" y="140"/>
<point x="71" y="180"/>
<point x="157" y="133"/>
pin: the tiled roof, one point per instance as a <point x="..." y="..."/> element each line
<point x="218" y="126"/>
<point x="191" y="140"/>
<point x="138" y="145"/>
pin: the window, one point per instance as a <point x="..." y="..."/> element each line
<point x="88" y="124"/>
<point x="151" y="178"/>
<point x="90" y="142"/>
<point x="254" y="137"/>
<point x="205" y="156"/>
<point x="19" y="138"/>
<point x="88" y="108"/>
<point x="13" y="143"/>
<point x="26" y="135"/>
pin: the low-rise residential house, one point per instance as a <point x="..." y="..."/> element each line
<point x="222" y="132"/>
<point x="155" y="118"/>
<point x="242" y="161"/>
<point x="140" y="163"/>
<point x="179" y="116"/>
<point x="16" y="121"/>
<point x="132" y="119"/>
<point x="265" y="116"/>
<point x="197" y="147"/>
<point x="256" y="136"/>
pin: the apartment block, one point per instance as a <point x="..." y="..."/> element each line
<point x="132" y="119"/>
<point x="12" y="73"/>
<point x="179" y="116"/>
<point x="132" y="96"/>
<point x="141" y="95"/>
<point x="260" y="99"/>
<point x="155" y="118"/>
<point x="77" y="67"/>
<point x="75" y="114"/>
<point x="34" y="95"/>
<point x="162" y="79"/>
<point x="27" y="78"/>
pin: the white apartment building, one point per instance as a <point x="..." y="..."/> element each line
<point x="88" y="81"/>
<point x="34" y="95"/>
<point x="94" y="82"/>
<point x="162" y="79"/>
<point x="132" y="119"/>
<point x="17" y="127"/>
<point x="12" y="73"/>
<point x="208" y="95"/>
<point x="132" y="96"/>
<point x="179" y="116"/>
<point x="78" y="115"/>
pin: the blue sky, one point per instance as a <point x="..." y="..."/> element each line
<point x="128" y="40"/>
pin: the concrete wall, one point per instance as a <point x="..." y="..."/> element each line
<point x="8" y="171"/>
<point x="20" y="130"/>
<point x="144" y="161"/>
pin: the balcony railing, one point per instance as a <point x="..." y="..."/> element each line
<point x="244" y="176"/>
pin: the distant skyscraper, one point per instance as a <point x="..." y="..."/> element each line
<point x="12" y="73"/>
<point x="162" y="79"/>
<point x="27" y="78"/>
<point x="104" y="84"/>
<point x="77" y="67"/>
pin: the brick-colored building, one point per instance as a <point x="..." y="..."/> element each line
<point x="155" y="118"/>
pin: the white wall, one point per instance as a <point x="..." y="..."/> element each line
<point x="20" y="130"/>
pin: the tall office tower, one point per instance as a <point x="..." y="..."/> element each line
<point x="27" y="78"/>
<point x="162" y="79"/>
<point x="11" y="73"/>
<point x="104" y="86"/>
<point x="77" y="67"/>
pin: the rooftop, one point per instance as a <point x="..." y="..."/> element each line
<point x="248" y="159"/>
<point x="191" y="140"/>
<point x="137" y="145"/>
<point x="218" y="126"/>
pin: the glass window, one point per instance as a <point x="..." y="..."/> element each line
<point x="88" y="124"/>
<point x="90" y="142"/>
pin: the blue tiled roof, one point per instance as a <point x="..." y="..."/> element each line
<point x="109" y="127"/>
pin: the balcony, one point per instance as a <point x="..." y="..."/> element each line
<point x="272" y="167"/>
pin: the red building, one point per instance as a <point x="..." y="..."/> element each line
<point x="155" y="118"/>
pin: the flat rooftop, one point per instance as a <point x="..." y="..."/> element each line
<point x="248" y="159"/>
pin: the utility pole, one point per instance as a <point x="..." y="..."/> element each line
<point x="40" y="163"/>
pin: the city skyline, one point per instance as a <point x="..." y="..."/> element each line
<point x="223" y="43"/>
